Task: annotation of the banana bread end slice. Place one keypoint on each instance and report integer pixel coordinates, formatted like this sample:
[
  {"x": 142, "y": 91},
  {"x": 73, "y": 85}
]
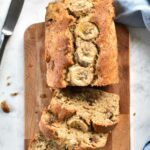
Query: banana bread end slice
[
  {"x": 69, "y": 136},
  {"x": 96, "y": 107}
]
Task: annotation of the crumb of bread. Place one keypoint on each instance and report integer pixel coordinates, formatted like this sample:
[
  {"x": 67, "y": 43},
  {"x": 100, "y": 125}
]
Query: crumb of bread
[
  {"x": 8, "y": 84},
  {"x": 14, "y": 94},
  {"x": 5, "y": 107},
  {"x": 134, "y": 114}
]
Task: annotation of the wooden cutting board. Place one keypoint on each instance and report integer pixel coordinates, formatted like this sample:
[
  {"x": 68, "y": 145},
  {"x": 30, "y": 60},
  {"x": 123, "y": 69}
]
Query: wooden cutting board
[{"x": 37, "y": 93}]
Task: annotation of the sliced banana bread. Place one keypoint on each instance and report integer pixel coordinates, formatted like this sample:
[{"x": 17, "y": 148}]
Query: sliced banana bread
[
  {"x": 71, "y": 135},
  {"x": 81, "y": 43},
  {"x": 101, "y": 109}
]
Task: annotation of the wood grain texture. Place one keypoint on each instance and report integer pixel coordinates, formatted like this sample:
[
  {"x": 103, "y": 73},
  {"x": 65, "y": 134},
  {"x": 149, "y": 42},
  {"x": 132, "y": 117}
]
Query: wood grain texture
[{"x": 37, "y": 93}]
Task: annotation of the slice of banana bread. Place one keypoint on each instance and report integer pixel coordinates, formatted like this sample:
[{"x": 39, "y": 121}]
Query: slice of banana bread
[
  {"x": 71, "y": 134},
  {"x": 101, "y": 109},
  {"x": 80, "y": 43},
  {"x": 41, "y": 143}
]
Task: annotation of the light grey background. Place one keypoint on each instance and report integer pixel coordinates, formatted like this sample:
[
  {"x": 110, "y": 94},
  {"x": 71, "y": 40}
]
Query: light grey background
[{"x": 12, "y": 124}]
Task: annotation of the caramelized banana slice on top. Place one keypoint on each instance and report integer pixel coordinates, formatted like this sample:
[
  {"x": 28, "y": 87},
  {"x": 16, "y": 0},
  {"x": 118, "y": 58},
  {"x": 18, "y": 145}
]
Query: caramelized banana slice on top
[
  {"x": 80, "y": 76},
  {"x": 85, "y": 53},
  {"x": 86, "y": 30},
  {"x": 79, "y": 7}
]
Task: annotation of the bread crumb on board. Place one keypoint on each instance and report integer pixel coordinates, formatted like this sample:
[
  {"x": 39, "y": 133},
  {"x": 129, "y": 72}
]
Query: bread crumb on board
[
  {"x": 14, "y": 94},
  {"x": 4, "y": 106}
]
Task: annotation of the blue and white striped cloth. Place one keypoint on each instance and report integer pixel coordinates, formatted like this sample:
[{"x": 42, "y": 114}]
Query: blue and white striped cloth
[
  {"x": 147, "y": 145},
  {"x": 134, "y": 13}
]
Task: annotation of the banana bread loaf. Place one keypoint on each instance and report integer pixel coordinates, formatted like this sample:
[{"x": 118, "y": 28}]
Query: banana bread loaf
[
  {"x": 70, "y": 134},
  {"x": 96, "y": 107},
  {"x": 81, "y": 43}
]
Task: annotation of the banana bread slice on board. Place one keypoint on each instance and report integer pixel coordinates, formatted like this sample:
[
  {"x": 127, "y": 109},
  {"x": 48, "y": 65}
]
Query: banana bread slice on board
[
  {"x": 72, "y": 137},
  {"x": 80, "y": 43},
  {"x": 96, "y": 107}
]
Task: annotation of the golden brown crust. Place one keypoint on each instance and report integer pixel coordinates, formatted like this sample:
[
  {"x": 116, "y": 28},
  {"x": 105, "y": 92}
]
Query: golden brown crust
[
  {"x": 103, "y": 129},
  {"x": 60, "y": 111},
  {"x": 58, "y": 45},
  {"x": 33, "y": 141},
  {"x": 46, "y": 130},
  {"x": 107, "y": 63}
]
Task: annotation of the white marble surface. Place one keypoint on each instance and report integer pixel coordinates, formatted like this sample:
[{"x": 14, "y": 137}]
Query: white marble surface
[{"x": 12, "y": 124}]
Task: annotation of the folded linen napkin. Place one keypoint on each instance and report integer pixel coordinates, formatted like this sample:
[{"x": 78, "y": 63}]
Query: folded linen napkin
[{"x": 134, "y": 13}]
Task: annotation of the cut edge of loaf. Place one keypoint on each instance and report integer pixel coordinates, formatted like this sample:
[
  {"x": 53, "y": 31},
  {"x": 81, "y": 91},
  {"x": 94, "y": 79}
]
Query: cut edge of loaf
[
  {"x": 68, "y": 137},
  {"x": 65, "y": 106}
]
